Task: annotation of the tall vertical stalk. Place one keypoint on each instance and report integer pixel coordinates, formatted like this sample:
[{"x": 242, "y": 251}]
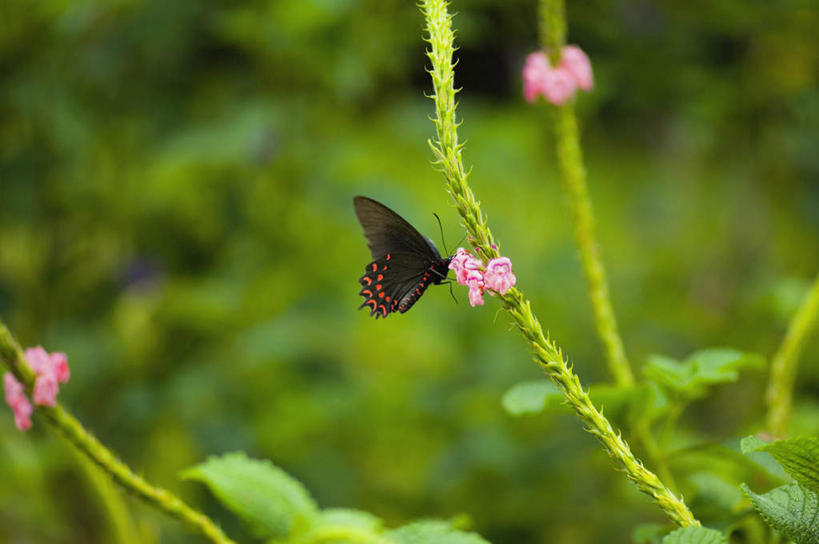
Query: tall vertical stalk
[
  {"x": 573, "y": 174},
  {"x": 447, "y": 151},
  {"x": 784, "y": 363}
]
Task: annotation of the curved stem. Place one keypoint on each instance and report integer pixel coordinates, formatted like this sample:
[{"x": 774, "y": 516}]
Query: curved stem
[
  {"x": 783, "y": 366},
  {"x": 447, "y": 151},
  {"x": 86, "y": 443}
]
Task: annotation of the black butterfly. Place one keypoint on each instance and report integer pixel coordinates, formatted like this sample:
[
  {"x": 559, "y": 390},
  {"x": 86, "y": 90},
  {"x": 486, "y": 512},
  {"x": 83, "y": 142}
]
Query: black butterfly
[{"x": 405, "y": 262}]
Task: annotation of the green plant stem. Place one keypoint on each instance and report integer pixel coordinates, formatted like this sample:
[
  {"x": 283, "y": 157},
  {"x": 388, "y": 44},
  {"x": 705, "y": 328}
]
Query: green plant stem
[
  {"x": 783, "y": 366},
  {"x": 86, "y": 443},
  {"x": 573, "y": 174},
  {"x": 447, "y": 152}
]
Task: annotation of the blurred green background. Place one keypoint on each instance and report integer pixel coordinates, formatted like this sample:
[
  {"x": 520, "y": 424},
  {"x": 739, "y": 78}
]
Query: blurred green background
[{"x": 176, "y": 183}]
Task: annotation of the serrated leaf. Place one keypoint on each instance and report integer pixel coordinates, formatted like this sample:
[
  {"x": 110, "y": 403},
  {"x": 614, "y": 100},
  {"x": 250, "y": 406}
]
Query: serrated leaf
[
  {"x": 799, "y": 457},
  {"x": 265, "y": 497},
  {"x": 432, "y": 532},
  {"x": 530, "y": 397},
  {"x": 790, "y": 509},
  {"x": 691, "y": 378},
  {"x": 695, "y": 535}
]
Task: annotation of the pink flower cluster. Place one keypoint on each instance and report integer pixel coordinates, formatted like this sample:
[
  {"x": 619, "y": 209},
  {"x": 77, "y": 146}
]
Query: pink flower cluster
[
  {"x": 469, "y": 271},
  {"x": 51, "y": 370},
  {"x": 557, "y": 84}
]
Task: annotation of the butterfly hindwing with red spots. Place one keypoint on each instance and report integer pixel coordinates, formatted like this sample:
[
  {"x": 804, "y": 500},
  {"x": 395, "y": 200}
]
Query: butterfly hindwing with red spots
[{"x": 405, "y": 262}]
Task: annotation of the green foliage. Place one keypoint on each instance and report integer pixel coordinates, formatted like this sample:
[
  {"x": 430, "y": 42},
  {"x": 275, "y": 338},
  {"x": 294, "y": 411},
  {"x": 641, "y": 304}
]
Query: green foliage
[
  {"x": 691, "y": 378},
  {"x": 798, "y": 456},
  {"x": 175, "y": 214},
  {"x": 790, "y": 509},
  {"x": 695, "y": 535},
  {"x": 266, "y": 498},
  {"x": 429, "y": 532}
]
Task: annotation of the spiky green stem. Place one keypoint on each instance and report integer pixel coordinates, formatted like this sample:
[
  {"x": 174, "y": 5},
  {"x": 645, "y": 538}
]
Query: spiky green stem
[
  {"x": 573, "y": 174},
  {"x": 784, "y": 363},
  {"x": 86, "y": 443},
  {"x": 447, "y": 152}
]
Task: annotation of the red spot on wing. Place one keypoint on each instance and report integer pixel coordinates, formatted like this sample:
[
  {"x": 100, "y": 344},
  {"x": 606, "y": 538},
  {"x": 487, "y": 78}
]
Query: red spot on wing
[
  {"x": 378, "y": 287},
  {"x": 381, "y": 294},
  {"x": 375, "y": 267},
  {"x": 373, "y": 302},
  {"x": 388, "y": 256},
  {"x": 383, "y": 309},
  {"x": 367, "y": 279},
  {"x": 388, "y": 299},
  {"x": 367, "y": 292},
  {"x": 380, "y": 277}
]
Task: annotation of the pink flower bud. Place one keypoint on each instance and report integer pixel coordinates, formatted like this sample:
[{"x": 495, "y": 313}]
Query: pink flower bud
[
  {"x": 59, "y": 363},
  {"x": 457, "y": 262},
  {"x": 12, "y": 388},
  {"x": 475, "y": 297},
  {"x": 22, "y": 414},
  {"x": 499, "y": 276},
  {"x": 45, "y": 390},
  {"x": 17, "y": 401},
  {"x": 576, "y": 62},
  {"x": 534, "y": 72}
]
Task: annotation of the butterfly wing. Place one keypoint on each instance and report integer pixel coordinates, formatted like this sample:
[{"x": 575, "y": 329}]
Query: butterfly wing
[
  {"x": 388, "y": 232},
  {"x": 403, "y": 259},
  {"x": 393, "y": 284}
]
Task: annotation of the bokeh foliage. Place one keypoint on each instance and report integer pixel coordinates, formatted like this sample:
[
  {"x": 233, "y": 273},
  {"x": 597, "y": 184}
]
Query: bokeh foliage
[{"x": 175, "y": 214}]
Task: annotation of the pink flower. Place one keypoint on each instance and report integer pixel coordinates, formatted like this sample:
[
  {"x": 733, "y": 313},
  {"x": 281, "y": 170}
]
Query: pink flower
[
  {"x": 474, "y": 279},
  {"x": 475, "y": 297},
  {"x": 558, "y": 86},
  {"x": 39, "y": 360},
  {"x": 458, "y": 260},
  {"x": 45, "y": 390},
  {"x": 499, "y": 276},
  {"x": 60, "y": 363},
  {"x": 576, "y": 62},
  {"x": 22, "y": 414},
  {"x": 534, "y": 72},
  {"x": 17, "y": 401}
]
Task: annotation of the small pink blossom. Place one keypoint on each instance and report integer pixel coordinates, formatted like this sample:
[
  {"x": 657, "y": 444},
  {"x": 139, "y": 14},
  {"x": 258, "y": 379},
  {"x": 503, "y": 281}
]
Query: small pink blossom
[
  {"x": 45, "y": 390},
  {"x": 558, "y": 86},
  {"x": 17, "y": 401},
  {"x": 39, "y": 360},
  {"x": 475, "y": 297},
  {"x": 474, "y": 279},
  {"x": 22, "y": 414},
  {"x": 60, "y": 363},
  {"x": 534, "y": 72},
  {"x": 457, "y": 262},
  {"x": 576, "y": 62},
  {"x": 499, "y": 276}
]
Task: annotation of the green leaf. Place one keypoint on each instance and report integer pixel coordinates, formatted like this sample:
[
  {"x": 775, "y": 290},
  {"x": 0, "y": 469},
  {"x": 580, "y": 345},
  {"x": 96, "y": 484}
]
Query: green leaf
[
  {"x": 695, "y": 535},
  {"x": 691, "y": 378},
  {"x": 751, "y": 443},
  {"x": 790, "y": 509},
  {"x": 530, "y": 397},
  {"x": 343, "y": 517},
  {"x": 798, "y": 456},
  {"x": 265, "y": 497},
  {"x": 432, "y": 532}
]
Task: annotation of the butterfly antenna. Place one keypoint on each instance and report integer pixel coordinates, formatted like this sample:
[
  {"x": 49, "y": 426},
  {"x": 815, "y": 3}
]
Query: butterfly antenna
[{"x": 441, "y": 228}]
